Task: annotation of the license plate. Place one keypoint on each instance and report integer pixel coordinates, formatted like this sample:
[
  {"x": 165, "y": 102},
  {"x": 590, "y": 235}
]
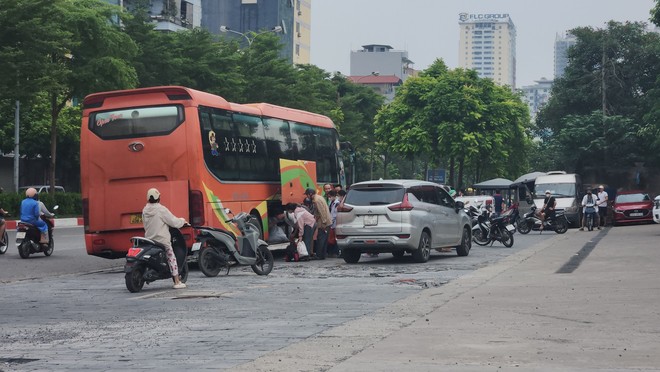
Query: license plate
[
  {"x": 636, "y": 214},
  {"x": 20, "y": 235},
  {"x": 510, "y": 228},
  {"x": 136, "y": 219},
  {"x": 371, "y": 220},
  {"x": 196, "y": 246}
]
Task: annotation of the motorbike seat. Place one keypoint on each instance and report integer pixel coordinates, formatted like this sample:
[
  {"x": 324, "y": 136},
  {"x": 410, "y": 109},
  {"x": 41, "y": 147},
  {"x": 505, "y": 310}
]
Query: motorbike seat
[
  {"x": 26, "y": 224},
  {"x": 139, "y": 241},
  {"x": 497, "y": 219},
  {"x": 233, "y": 236}
]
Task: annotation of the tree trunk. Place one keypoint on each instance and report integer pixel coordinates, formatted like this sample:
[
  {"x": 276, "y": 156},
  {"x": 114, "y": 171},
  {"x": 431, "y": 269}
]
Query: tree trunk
[{"x": 459, "y": 184}]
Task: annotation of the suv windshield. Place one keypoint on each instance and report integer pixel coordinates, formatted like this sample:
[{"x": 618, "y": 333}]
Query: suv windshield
[
  {"x": 374, "y": 196},
  {"x": 558, "y": 190}
]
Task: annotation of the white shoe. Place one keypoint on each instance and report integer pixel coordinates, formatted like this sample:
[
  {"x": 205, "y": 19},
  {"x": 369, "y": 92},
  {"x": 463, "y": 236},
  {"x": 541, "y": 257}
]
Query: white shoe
[{"x": 179, "y": 286}]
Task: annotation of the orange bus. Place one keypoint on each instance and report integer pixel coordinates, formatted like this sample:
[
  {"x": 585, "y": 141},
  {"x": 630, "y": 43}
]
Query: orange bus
[{"x": 203, "y": 153}]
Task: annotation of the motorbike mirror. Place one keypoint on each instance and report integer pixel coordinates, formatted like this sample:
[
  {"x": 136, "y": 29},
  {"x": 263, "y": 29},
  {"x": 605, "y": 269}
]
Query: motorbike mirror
[
  {"x": 56, "y": 207},
  {"x": 228, "y": 211}
]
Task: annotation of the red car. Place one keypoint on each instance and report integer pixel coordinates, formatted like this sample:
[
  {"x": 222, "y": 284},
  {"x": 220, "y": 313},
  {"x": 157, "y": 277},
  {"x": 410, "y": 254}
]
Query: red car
[{"x": 633, "y": 206}]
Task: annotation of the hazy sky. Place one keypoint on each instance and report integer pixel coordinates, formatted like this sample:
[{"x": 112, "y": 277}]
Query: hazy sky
[{"x": 428, "y": 29}]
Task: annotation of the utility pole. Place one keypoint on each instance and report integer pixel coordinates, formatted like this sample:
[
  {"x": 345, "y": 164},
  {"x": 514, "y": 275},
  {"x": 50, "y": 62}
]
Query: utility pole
[{"x": 16, "y": 143}]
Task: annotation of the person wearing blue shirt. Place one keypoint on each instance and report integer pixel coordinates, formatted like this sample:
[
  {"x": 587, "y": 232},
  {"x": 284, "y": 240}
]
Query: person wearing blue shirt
[{"x": 31, "y": 213}]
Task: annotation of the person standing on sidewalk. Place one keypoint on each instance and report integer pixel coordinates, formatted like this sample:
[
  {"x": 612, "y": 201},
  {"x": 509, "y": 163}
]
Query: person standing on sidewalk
[
  {"x": 3, "y": 227},
  {"x": 323, "y": 222},
  {"x": 603, "y": 200}
]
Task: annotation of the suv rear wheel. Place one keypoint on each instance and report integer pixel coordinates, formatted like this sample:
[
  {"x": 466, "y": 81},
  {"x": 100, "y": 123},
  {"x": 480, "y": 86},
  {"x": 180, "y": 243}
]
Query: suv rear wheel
[
  {"x": 351, "y": 255},
  {"x": 466, "y": 243},
  {"x": 423, "y": 252}
]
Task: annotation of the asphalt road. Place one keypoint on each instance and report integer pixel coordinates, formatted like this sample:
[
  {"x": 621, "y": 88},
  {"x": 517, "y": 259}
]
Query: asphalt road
[{"x": 71, "y": 311}]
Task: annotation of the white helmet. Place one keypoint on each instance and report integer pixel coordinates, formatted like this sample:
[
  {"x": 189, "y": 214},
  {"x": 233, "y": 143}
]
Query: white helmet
[
  {"x": 154, "y": 194},
  {"x": 31, "y": 192}
]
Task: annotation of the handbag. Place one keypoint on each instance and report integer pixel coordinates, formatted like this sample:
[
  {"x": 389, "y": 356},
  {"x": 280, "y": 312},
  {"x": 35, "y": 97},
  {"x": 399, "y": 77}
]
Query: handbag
[
  {"x": 302, "y": 249},
  {"x": 332, "y": 237}
]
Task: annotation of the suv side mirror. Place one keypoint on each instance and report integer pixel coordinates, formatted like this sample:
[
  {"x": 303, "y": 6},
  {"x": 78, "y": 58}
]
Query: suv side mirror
[{"x": 459, "y": 206}]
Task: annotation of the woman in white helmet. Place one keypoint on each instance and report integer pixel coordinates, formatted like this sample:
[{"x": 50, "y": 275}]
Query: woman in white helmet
[
  {"x": 157, "y": 219},
  {"x": 31, "y": 213}
]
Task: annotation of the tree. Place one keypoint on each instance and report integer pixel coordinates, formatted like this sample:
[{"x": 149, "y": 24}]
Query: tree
[
  {"x": 455, "y": 117},
  {"x": 613, "y": 71},
  {"x": 64, "y": 48}
]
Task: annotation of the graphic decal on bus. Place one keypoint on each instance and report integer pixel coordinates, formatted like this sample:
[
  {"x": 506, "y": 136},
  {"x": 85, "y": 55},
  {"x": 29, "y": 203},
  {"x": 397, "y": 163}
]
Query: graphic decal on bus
[
  {"x": 296, "y": 176},
  {"x": 214, "y": 145},
  {"x": 219, "y": 211}
]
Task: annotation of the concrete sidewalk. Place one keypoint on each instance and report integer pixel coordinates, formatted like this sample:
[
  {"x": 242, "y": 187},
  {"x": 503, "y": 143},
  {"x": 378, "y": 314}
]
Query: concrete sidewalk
[{"x": 582, "y": 301}]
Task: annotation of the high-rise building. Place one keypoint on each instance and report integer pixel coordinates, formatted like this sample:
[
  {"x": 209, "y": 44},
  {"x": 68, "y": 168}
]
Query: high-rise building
[
  {"x": 487, "y": 44},
  {"x": 537, "y": 95},
  {"x": 562, "y": 43},
  {"x": 245, "y": 16}
]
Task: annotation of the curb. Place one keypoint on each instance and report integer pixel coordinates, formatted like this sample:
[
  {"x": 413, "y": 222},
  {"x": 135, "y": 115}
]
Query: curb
[{"x": 58, "y": 222}]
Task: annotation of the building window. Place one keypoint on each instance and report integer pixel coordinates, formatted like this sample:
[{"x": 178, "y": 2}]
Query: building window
[{"x": 297, "y": 49}]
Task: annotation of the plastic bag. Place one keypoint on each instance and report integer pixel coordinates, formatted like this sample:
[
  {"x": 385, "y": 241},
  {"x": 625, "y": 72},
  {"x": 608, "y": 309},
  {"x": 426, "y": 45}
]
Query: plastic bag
[{"x": 302, "y": 249}]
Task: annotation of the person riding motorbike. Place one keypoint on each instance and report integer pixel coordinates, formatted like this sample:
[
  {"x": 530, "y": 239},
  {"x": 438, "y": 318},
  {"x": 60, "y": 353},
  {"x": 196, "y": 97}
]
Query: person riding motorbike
[
  {"x": 157, "y": 219},
  {"x": 3, "y": 226},
  {"x": 589, "y": 201},
  {"x": 548, "y": 210},
  {"x": 31, "y": 213}
]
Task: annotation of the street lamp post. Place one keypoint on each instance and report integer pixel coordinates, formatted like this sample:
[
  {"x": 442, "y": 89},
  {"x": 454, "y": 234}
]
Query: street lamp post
[{"x": 276, "y": 29}]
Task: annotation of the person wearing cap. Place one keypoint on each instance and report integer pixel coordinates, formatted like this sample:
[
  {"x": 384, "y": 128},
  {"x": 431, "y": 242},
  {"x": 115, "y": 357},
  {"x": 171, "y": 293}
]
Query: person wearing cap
[
  {"x": 603, "y": 198},
  {"x": 157, "y": 220},
  {"x": 589, "y": 200},
  {"x": 548, "y": 210},
  {"x": 31, "y": 213},
  {"x": 323, "y": 222}
]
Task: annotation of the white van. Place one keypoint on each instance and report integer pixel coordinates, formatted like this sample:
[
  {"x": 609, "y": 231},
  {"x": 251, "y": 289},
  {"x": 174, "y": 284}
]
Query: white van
[{"x": 566, "y": 188}]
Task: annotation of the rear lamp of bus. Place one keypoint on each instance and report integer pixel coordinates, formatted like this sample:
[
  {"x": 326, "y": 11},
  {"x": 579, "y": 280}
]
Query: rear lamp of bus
[
  {"x": 403, "y": 206},
  {"x": 196, "y": 208},
  {"x": 344, "y": 208}
]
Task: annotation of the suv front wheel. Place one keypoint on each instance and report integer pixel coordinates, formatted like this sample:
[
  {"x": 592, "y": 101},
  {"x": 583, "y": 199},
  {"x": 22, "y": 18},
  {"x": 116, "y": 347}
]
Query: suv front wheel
[{"x": 423, "y": 252}]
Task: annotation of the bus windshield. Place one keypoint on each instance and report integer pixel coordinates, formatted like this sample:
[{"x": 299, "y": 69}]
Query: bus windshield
[{"x": 136, "y": 122}]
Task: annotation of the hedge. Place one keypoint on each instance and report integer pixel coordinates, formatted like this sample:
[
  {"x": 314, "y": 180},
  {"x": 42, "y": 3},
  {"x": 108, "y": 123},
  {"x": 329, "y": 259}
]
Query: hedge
[{"x": 70, "y": 203}]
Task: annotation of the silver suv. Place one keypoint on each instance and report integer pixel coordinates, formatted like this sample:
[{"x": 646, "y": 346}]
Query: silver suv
[{"x": 399, "y": 216}]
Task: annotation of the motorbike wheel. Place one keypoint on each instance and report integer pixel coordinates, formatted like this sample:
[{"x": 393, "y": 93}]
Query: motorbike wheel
[
  {"x": 561, "y": 226},
  {"x": 49, "y": 250},
  {"x": 183, "y": 272},
  {"x": 208, "y": 264},
  {"x": 478, "y": 237},
  {"x": 507, "y": 238},
  {"x": 5, "y": 244},
  {"x": 264, "y": 264},
  {"x": 524, "y": 226},
  {"x": 590, "y": 222},
  {"x": 135, "y": 280},
  {"x": 24, "y": 249}
]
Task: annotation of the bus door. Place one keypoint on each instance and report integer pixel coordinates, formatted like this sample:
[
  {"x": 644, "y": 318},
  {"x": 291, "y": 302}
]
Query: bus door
[{"x": 295, "y": 177}]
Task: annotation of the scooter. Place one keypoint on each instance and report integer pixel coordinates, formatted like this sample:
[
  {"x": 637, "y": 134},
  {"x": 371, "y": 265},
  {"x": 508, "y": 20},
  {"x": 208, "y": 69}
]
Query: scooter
[
  {"x": 28, "y": 237},
  {"x": 489, "y": 230},
  {"x": 146, "y": 261},
  {"x": 531, "y": 221},
  {"x": 222, "y": 249}
]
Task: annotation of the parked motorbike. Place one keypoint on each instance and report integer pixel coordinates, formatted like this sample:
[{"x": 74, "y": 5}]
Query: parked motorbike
[
  {"x": 531, "y": 221},
  {"x": 146, "y": 261},
  {"x": 489, "y": 230},
  {"x": 220, "y": 249},
  {"x": 28, "y": 237}
]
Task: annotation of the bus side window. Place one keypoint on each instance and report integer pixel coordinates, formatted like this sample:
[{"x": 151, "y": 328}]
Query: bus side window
[
  {"x": 278, "y": 145},
  {"x": 303, "y": 140},
  {"x": 225, "y": 165},
  {"x": 251, "y": 148},
  {"x": 326, "y": 155}
]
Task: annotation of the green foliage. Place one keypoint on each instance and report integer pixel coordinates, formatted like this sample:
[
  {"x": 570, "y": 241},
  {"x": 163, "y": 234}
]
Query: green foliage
[
  {"x": 70, "y": 204},
  {"x": 455, "y": 117},
  {"x": 604, "y": 109}
]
